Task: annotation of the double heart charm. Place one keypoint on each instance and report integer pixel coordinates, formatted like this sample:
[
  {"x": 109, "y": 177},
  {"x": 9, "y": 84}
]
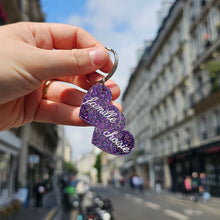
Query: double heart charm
[{"x": 109, "y": 122}]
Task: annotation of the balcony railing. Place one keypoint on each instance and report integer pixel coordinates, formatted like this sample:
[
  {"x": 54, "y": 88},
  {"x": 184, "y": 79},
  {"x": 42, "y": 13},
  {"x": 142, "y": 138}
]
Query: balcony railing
[
  {"x": 204, "y": 91},
  {"x": 204, "y": 135}
]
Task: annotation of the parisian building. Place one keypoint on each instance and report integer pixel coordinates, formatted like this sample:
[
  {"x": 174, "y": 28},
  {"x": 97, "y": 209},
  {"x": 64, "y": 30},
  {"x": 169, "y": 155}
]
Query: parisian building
[
  {"x": 26, "y": 153},
  {"x": 172, "y": 101},
  {"x": 85, "y": 167}
]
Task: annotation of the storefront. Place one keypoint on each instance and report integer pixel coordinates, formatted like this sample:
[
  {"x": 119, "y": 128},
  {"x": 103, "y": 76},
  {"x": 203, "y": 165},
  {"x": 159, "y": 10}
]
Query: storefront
[
  {"x": 159, "y": 171},
  {"x": 201, "y": 159},
  {"x": 210, "y": 163},
  {"x": 9, "y": 151}
]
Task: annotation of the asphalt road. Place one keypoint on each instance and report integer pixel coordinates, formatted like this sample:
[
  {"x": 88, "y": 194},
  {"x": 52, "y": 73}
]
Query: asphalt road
[
  {"x": 129, "y": 205},
  {"x": 136, "y": 205},
  {"x": 132, "y": 205}
]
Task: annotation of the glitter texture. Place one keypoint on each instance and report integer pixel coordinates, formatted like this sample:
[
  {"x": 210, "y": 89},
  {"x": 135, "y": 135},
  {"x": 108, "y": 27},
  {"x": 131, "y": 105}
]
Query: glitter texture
[
  {"x": 113, "y": 141},
  {"x": 97, "y": 110},
  {"x": 109, "y": 122}
]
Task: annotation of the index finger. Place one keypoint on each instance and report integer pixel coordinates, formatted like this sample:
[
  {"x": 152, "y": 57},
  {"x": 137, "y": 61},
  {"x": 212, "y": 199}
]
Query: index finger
[
  {"x": 61, "y": 36},
  {"x": 64, "y": 36}
]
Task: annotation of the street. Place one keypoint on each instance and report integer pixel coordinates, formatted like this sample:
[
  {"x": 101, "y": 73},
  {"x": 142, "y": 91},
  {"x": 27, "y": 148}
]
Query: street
[{"x": 131, "y": 205}]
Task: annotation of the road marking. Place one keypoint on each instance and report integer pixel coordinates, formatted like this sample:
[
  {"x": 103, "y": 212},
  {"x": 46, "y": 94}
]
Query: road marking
[
  {"x": 192, "y": 212},
  {"x": 51, "y": 214},
  {"x": 128, "y": 196},
  {"x": 138, "y": 200},
  {"x": 214, "y": 211},
  {"x": 152, "y": 205},
  {"x": 175, "y": 214}
]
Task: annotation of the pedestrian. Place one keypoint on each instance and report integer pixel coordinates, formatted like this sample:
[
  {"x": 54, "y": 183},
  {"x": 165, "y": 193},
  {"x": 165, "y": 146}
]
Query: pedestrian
[
  {"x": 203, "y": 187},
  {"x": 34, "y": 57},
  {"x": 39, "y": 191},
  {"x": 136, "y": 181},
  {"x": 188, "y": 186},
  {"x": 131, "y": 181},
  {"x": 203, "y": 182},
  {"x": 195, "y": 186}
]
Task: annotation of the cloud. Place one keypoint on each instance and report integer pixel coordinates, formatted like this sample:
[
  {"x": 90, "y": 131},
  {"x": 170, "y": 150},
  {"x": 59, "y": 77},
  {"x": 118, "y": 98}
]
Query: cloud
[{"x": 122, "y": 25}]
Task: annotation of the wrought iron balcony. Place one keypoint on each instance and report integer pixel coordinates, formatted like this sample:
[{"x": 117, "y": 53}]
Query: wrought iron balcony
[{"x": 205, "y": 92}]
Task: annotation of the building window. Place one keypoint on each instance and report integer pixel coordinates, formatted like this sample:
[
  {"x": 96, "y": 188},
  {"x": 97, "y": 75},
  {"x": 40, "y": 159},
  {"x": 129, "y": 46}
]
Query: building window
[
  {"x": 193, "y": 15},
  {"x": 206, "y": 35},
  {"x": 199, "y": 87},
  {"x": 166, "y": 81},
  {"x": 169, "y": 112},
  {"x": 188, "y": 137},
  {"x": 177, "y": 142},
  {"x": 203, "y": 128},
  {"x": 202, "y": 3},
  {"x": 169, "y": 146},
  {"x": 162, "y": 147},
  {"x": 216, "y": 123},
  {"x": 185, "y": 100},
  {"x": 153, "y": 123}
]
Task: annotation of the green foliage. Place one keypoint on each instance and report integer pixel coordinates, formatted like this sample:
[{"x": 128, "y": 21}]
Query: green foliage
[
  {"x": 98, "y": 166},
  {"x": 213, "y": 67},
  {"x": 70, "y": 167}
]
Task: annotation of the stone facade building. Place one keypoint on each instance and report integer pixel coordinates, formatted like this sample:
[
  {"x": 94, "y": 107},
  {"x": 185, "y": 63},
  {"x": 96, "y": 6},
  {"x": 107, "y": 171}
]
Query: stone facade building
[
  {"x": 85, "y": 167},
  {"x": 172, "y": 100},
  {"x": 26, "y": 153}
]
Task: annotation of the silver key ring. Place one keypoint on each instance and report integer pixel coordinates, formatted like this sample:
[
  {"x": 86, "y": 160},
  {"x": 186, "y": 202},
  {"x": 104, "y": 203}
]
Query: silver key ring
[{"x": 107, "y": 77}]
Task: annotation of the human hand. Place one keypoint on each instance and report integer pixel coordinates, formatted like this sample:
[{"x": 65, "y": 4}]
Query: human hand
[{"x": 31, "y": 54}]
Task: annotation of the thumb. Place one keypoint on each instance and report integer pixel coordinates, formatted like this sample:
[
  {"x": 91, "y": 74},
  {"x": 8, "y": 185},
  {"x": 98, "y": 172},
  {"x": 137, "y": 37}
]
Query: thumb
[{"x": 58, "y": 63}]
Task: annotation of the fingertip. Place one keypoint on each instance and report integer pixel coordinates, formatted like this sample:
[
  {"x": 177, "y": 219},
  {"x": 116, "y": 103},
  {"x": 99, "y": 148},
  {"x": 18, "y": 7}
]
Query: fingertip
[
  {"x": 115, "y": 89},
  {"x": 98, "y": 56},
  {"x": 118, "y": 105}
]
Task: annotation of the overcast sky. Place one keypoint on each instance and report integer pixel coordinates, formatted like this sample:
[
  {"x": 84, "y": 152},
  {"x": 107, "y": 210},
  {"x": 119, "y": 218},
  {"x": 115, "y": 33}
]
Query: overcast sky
[{"x": 123, "y": 25}]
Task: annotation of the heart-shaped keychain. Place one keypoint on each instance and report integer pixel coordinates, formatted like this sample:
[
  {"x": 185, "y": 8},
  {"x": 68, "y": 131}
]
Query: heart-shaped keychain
[
  {"x": 108, "y": 121},
  {"x": 117, "y": 142},
  {"x": 97, "y": 110}
]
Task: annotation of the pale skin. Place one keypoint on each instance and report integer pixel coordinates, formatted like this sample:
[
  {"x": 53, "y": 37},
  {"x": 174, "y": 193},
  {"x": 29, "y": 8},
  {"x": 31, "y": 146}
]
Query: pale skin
[{"x": 31, "y": 54}]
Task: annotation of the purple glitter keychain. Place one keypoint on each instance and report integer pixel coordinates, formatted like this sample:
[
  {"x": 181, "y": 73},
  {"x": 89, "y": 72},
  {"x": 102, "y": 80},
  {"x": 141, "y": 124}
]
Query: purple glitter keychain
[
  {"x": 97, "y": 110},
  {"x": 108, "y": 121}
]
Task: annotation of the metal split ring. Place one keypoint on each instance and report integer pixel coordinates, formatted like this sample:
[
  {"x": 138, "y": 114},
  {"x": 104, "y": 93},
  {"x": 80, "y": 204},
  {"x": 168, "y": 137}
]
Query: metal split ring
[{"x": 104, "y": 79}]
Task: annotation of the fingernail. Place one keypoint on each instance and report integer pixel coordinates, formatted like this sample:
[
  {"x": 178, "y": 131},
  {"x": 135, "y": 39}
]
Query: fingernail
[{"x": 97, "y": 56}]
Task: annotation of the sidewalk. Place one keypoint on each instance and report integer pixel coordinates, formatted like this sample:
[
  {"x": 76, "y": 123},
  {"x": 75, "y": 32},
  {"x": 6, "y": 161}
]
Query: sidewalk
[
  {"x": 32, "y": 214},
  {"x": 47, "y": 212}
]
